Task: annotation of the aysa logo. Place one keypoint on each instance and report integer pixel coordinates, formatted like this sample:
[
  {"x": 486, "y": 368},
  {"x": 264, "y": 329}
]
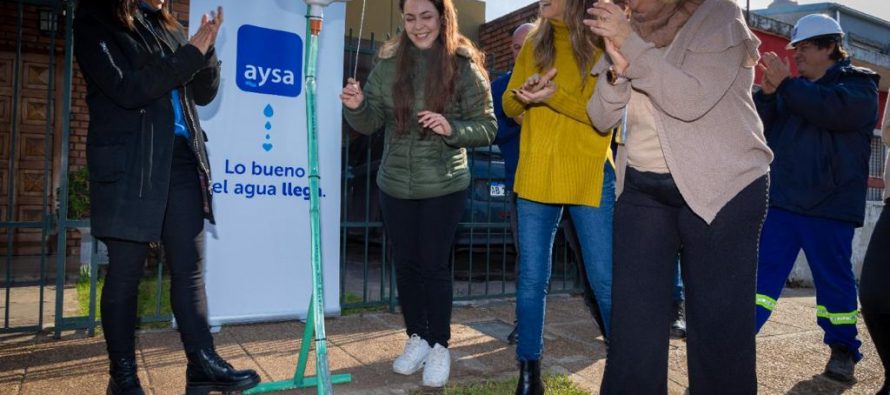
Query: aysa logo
[{"x": 269, "y": 61}]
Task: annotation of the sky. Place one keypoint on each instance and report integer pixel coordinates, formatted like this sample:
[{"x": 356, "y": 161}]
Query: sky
[{"x": 878, "y": 8}]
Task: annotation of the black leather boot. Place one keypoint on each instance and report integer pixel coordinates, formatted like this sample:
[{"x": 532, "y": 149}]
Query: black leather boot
[
  {"x": 511, "y": 338},
  {"x": 678, "y": 324},
  {"x": 124, "y": 380},
  {"x": 207, "y": 372},
  {"x": 530, "y": 378}
]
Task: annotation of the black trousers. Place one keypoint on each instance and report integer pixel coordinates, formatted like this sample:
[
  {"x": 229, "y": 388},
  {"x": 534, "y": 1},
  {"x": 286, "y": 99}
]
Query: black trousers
[
  {"x": 874, "y": 288},
  {"x": 422, "y": 233},
  {"x": 652, "y": 224},
  {"x": 183, "y": 238}
]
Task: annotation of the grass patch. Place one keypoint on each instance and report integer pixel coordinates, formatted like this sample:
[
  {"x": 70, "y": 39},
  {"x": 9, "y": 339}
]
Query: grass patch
[
  {"x": 351, "y": 298},
  {"x": 556, "y": 384},
  {"x": 146, "y": 304}
]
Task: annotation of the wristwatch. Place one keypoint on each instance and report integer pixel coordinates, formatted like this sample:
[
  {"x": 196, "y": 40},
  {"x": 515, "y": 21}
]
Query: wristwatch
[{"x": 614, "y": 77}]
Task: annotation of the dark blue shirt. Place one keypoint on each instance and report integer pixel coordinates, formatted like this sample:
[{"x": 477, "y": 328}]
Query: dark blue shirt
[{"x": 507, "y": 138}]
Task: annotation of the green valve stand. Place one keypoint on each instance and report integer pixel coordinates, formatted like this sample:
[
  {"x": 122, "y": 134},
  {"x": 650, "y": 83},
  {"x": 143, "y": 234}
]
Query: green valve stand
[{"x": 323, "y": 379}]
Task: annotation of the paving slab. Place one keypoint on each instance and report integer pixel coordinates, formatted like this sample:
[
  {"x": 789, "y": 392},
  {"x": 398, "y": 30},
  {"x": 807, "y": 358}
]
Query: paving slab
[
  {"x": 791, "y": 355},
  {"x": 74, "y": 365}
]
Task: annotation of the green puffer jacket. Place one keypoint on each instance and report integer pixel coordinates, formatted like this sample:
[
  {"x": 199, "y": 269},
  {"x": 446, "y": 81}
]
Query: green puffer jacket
[{"x": 416, "y": 167}]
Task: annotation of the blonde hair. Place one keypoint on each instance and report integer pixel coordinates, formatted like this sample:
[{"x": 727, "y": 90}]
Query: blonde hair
[{"x": 584, "y": 43}]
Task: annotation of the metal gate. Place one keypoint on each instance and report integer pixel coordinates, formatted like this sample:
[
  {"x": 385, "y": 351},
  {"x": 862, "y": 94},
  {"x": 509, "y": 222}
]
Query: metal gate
[{"x": 29, "y": 101}]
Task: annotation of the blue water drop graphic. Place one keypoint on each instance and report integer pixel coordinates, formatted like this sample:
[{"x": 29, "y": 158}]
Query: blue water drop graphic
[
  {"x": 268, "y": 137},
  {"x": 268, "y": 125},
  {"x": 268, "y": 111}
]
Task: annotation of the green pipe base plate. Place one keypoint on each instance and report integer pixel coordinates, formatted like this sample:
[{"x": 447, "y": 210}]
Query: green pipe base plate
[{"x": 291, "y": 384}]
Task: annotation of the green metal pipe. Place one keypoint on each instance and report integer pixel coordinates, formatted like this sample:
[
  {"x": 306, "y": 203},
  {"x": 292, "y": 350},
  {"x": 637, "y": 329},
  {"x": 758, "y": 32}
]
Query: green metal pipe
[
  {"x": 322, "y": 370},
  {"x": 315, "y": 318}
]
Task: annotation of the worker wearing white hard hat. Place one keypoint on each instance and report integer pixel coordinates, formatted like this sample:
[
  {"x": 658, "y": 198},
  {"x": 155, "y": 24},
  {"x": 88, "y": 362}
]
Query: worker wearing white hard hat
[
  {"x": 814, "y": 25},
  {"x": 819, "y": 126},
  {"x": 817, "y": 41}
]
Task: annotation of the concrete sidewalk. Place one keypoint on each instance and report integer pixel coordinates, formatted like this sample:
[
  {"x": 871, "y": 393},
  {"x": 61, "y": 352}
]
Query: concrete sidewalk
[{"x": 790, "y": 353}]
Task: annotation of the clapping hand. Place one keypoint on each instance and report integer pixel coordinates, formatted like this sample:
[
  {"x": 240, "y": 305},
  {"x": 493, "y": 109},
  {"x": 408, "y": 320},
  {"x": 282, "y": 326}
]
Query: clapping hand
[
  {"x": 774, "y": 70},
  {"x": 537, "y": 89},
  {"x": 610, "y": 21},
  {"x": 206, "y": 34}
]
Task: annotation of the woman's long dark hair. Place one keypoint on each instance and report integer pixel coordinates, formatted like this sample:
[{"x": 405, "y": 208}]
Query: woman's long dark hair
[
  {"x": 443, "y": 66},
  {"x": 123, "y": 10}
]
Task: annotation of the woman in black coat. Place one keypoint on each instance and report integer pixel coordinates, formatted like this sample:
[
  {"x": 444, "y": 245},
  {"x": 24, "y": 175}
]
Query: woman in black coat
[{"x": 149, "y": 173}]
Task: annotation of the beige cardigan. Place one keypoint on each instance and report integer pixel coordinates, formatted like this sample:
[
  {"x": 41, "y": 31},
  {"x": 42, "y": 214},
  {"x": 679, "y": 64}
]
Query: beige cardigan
[{"x": 709, "y": 129}]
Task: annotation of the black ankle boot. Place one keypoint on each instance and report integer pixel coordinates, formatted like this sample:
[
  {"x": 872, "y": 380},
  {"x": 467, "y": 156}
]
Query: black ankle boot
[
  {"x": 511, "y": 338},
  {"x": 678, "y": 324},
  {"x": 530, "y": 378},
  {"x": 124, "y": 380},
  {"x": 841, "y": 365},
  {"x": 207, "y": 372}
]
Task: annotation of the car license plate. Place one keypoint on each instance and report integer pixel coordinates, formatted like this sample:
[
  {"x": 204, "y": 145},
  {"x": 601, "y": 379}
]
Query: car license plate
[{"x": 497, "y": 189}]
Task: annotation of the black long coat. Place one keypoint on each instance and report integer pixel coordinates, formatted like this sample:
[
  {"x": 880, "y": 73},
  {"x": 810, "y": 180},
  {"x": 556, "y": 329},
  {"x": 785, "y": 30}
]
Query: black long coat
[{"x": 130, "y": 77}]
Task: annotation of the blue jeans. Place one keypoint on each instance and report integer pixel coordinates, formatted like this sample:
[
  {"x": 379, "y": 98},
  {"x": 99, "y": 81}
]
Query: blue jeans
[
  {"x": 678, "y": 284},
  {"x": 537, "y": 229}
]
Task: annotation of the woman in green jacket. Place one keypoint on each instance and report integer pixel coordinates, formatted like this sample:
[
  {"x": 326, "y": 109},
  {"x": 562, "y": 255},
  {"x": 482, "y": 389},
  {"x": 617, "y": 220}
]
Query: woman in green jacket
[{"x": 431, "y": 95}]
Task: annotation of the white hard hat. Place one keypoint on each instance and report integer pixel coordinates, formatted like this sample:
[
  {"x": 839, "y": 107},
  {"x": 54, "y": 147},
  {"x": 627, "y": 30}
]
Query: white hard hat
[{"x": 813, "y": 25}]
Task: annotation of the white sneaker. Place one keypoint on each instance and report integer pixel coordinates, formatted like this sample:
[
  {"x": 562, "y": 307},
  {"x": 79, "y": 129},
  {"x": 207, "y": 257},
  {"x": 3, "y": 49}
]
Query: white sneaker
[
  {"x": 438, "y": 367},
  {"x": 414, "y": 356}
]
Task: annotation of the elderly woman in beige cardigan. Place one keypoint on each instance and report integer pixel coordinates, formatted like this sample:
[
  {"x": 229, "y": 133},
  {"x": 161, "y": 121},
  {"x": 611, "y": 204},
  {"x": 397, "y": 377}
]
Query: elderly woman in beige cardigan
[
  {"x": 874, "y": 293},
  {"x": 692, "y": 179}
]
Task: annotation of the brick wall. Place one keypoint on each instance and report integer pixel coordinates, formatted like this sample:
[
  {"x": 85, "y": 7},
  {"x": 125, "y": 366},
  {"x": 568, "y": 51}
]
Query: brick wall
[
  {"x": 33, "y": 40},
  {"x": 180, "y": 9},
  {"x": 495, "y": 37}
]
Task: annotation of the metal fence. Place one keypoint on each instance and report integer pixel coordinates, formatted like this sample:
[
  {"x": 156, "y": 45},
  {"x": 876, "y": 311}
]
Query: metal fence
[{"x": 27, "y": 95}]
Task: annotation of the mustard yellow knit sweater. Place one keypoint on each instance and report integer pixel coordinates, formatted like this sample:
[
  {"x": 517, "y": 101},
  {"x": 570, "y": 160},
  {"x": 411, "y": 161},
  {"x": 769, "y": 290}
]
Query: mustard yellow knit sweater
[{"x": 561, "y": 156}]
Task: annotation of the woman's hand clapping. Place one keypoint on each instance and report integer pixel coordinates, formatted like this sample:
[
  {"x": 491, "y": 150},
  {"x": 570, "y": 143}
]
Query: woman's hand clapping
[{"x": 205, "y": 37}]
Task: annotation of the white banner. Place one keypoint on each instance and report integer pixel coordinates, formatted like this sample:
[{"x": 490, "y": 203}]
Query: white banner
[{"x": 258, "y": 262}]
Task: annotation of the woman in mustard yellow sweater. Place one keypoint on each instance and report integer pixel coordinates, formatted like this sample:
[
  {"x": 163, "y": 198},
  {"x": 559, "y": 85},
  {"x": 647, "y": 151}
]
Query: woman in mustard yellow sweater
[{"x": 563, "y": 163}]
